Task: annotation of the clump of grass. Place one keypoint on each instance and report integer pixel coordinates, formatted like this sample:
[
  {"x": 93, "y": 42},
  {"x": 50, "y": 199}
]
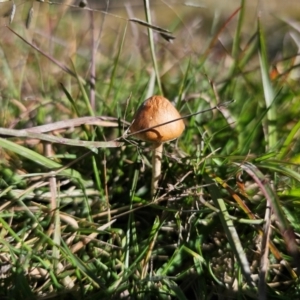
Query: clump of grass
[{"x": 78, "y": 222}]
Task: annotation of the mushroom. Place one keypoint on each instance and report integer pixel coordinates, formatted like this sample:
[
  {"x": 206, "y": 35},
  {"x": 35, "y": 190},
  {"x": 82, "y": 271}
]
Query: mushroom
[{"x": 155, "y": 111}]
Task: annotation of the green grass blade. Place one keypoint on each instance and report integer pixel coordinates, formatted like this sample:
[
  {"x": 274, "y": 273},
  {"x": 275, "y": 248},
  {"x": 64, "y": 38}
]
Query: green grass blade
[
  {"x": 287, "y": 144},
  {"x": 116, "y": 63},
  {"x": 14, "y": 234},
  {"x": 268, "y": 90},
  {"x": 237, "y": 37},
  {"x": 41, "y": 160},
  {"x": 229, "y": 229},
  {"x": 83, "y": 267},
  {"x": 8, "y": 74},
  {"x": 183, "y": 85},
  {"x": 152, "y": 47},
  {"x": 279, "y": 167},
  {"x": 83, "y": 92}
]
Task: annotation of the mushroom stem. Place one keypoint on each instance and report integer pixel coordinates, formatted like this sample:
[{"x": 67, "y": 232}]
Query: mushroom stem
[
  {"x": 156, "y": 166},
  {"x": 149, "y": 125}
]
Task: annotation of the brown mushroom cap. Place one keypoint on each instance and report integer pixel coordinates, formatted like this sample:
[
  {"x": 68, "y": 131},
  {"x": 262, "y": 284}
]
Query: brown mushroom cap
[{"x": 154, "y": 111}]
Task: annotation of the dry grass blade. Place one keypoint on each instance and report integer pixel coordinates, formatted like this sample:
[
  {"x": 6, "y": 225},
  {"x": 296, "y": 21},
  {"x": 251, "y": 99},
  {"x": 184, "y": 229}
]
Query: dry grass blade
[
  {"x": 58, "y": 140},
  {"x": 168, "y": 37},
  {"x": 36, "y": 132},
  {"x": 264, "y": 261},
  {"x": 98, "y": 121},
  {"x": 12, "y": 13},
  {"x": 154, "y": 27},
  {"x": 135, "y": 20}
]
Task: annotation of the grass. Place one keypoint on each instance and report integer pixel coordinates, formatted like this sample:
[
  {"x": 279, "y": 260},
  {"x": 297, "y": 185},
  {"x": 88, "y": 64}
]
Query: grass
[{"x": 76, "y": 217}]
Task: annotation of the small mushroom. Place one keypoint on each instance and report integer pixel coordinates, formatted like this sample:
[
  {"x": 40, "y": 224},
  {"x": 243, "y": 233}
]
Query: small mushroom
[{"x": 155, "y": 111}]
